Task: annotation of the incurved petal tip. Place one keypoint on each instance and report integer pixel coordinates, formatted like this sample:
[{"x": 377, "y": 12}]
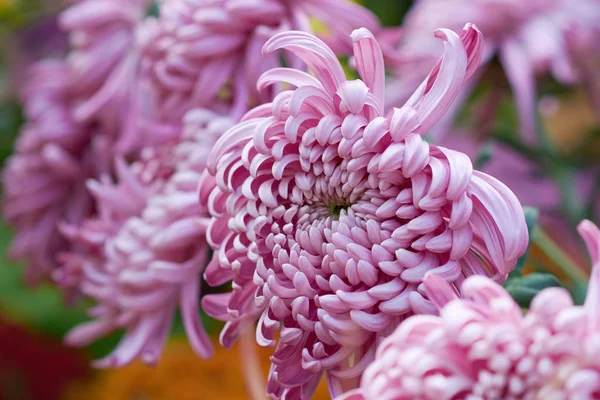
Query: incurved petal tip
[
  {"x": 438, "y": 290},
  {"x": 370, "y": 64},
  {"x": 591, "y": 235},
  {"x": 361, "y": 33},
  {"x": 461, "y": 57}
]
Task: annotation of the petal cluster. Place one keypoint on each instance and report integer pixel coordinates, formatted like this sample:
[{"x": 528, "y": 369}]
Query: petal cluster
[
  {"x": 142, "y": 258},
  {"x": 328, "y": 214},
  {"x": 482, "y": 347},
  {"x": 44, "y": 180},
  {"x": 207, "y": 53}
]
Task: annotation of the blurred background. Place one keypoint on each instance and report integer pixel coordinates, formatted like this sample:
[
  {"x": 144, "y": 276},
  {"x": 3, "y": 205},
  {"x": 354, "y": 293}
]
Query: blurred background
[{"x": 35, "y": 365}]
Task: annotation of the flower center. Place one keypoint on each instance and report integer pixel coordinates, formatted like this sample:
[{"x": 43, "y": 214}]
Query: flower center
[{"x": 336, "y": 209}]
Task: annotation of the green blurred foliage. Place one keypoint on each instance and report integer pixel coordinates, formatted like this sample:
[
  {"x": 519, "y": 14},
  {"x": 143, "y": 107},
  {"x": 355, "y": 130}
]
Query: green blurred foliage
[
  {"x": 524, "y": 288},
  {"x": 391, "y": 12},
  {"x": 11, "y": 119},
  {"x": 42, "y": 309}
]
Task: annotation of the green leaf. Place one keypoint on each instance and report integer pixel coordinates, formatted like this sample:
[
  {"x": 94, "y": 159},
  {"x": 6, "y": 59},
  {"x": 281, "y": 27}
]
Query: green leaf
[
  {"x": 531, "y": 216},
  {"x": 484, "y": 155},
  {"x": 390, "y": 12},
  {"x": 525, "y": 288}
]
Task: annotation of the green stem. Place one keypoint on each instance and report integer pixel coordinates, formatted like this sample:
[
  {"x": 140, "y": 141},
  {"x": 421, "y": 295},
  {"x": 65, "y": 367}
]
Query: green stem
[{"x": 560, "y": 257}]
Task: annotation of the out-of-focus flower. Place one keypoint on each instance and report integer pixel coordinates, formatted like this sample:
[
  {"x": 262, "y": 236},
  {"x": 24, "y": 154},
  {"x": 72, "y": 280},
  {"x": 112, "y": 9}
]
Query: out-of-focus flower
[
  {"x": 42, "y": 39},
  {"x": 327, "y": 215},
  {"x": 207, "y": 53},
  {"x": 482, "y": 347},
  {"x": 44, "y": 181},
  {"x": 531, "y": 37},
  {"x": 142, "y": 258},
  {"x": 104, "y": 64}
]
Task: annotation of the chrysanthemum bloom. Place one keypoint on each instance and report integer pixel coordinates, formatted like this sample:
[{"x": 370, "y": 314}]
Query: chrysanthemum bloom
[
  {"x": 44, "y": 181},
  {"x": 531, "y": 38},
  {"x": 104, "y": 63},
  {"x": 202, "y": 53},
  {"x": 482, "y": 347},
  {"x": 327, "y": 214},
  {"x": 143, "y": 257}
]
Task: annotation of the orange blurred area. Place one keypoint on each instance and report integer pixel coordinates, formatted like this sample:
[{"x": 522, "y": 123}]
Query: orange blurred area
[
  {"x": 568, "y": 121},
  {"x": 180, "y": 375}
]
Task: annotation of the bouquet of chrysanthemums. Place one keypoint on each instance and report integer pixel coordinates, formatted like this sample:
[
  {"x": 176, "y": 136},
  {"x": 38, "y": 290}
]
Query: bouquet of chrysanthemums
[{"x": 389, "y": 207}]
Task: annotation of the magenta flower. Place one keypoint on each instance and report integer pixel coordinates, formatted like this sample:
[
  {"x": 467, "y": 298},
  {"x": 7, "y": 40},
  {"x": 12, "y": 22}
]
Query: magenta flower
[
  {"x": 44, "y": 180},
  {"x": 482, "y": 347},
  {"x": 328, "y": 214},
  {"x": 141, "y": 259},
  {"x": 104, "y": 65},
  {"x": 531, "y": 37},
  {"x": 207, "y": 53}
]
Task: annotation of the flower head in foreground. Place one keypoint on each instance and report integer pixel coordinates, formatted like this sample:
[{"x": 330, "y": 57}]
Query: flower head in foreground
[
  {"x": 482, "y": 347},
  {"x": 104, "y": 64},
  {"x": 44, "y": 180},
  {"x": 327, "y": 214},
  {"x": 531, "y": 38},
  {"x": 143, "y": 257},
  {"x": 206, "y": 54}
]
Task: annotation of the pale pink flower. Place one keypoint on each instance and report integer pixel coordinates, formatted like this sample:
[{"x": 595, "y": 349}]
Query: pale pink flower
[
  {"x": 482, "y": 347},
  {"x": 104, "y": 64},
  {"x": 142, "y": 258},
  {"x": 44, "y": 180},
  {"x": 531, "y": 38},
  {"x": 201, "y": 53},
  {"x": 328, "y": 214}
]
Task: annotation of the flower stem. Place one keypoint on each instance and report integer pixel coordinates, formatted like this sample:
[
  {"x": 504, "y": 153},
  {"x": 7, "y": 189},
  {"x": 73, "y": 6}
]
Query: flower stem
[
  {"x": 251, "y": 370},
  {"x": 566, "y": 264}
]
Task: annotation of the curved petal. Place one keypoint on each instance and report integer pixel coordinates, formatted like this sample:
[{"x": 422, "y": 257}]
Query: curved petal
[
  {"x": 319, "y": 58},
  {"x": 369, "y": 63},
  {"x": 435, "y": 95},
  {"x": 591, "y": 235}
]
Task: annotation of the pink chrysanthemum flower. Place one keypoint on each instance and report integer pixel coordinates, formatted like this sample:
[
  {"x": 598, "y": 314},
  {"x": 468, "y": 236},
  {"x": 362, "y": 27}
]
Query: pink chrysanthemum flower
[
  {"x": 44, "y": 181},
  {"x": 142, "y": 258},
  {"x": 104, "y": 64},
  {"x": 531, "y": 38},
  {"x": 482, "y": 347},
  {"x": 327, "y": 214},
  {"x": 201, "y": 53}
]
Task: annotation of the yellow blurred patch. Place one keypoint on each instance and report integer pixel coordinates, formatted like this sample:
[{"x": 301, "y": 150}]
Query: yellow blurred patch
[
  {"x": 569, "y": 120},
  {"x": 318, "y": 27},
  {"x": 180, "y": 375}
]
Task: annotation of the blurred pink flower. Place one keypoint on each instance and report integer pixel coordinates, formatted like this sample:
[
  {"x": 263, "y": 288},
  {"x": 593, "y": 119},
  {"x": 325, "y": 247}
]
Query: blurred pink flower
[
  {"x": 44, "y": 180},
  {"x": 104, "y": 64},
  {"x": 531, "y": 37},
  {"x": 200, "y": 53},
  {"x": 143, "y": 256},
  {"x": 482, "y": 347},
  {"x": 327, "y": 214},
  {"x": 42, "y": 39}
]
